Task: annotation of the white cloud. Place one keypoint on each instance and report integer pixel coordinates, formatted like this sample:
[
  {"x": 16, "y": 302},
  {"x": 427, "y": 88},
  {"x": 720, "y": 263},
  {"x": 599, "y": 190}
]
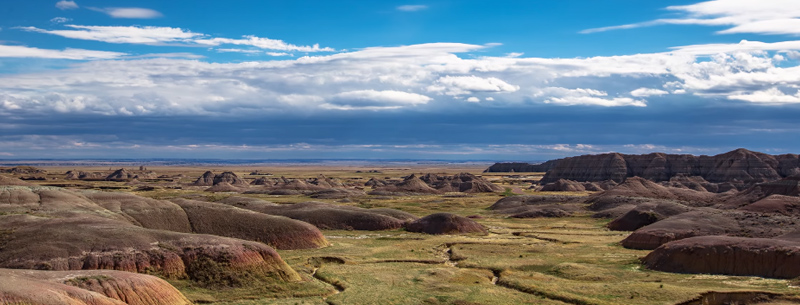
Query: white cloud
[
  {"x": 384, "y": 78},
  {"x": 66, "y": 5},
  {"x": 76, "y": 54},
  {"x": 129, "y": 12},
  {"x": 374, "y": 100},
  {"x": 222, "y": 50},
  {"x": 60, "y": 20},
  {"x": 122, "y": 34},
  {"x": 279, "y": 54},
  {"x": 473, "y": 99},
  {"x": 263, "y": 43},
  {"x": 460, "y": 85},
  {"x": 412, "y": 8},
  {"x": 775, "y": 17},
  {"x": 581, "y": 96},
  {"x": 769, "y": 96},
  {"x": 645, "y": 92},
  {"x": 153, "y": 35}
]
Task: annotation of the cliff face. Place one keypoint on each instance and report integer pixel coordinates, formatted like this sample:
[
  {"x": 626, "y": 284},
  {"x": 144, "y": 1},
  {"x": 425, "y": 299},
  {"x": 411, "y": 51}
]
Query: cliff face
[{"x": 741, "y": 166}]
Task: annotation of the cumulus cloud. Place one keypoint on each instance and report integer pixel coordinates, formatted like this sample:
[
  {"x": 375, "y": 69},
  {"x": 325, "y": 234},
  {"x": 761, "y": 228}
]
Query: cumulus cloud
[
  {"x": 776, "y": 17},
  {"x": 66, "y": 5},
  {"x": 460, "y": 85},
  {"x": 76, "y": 54},
  {"x": 412, "y": 8},
  {"x": 769, "y": 96},
  {"x": 129, "y": 12},
  {"x": 645, "y": 92},
  {"x": 430, "y": 77},
  {"x": 473, "y": 99}
]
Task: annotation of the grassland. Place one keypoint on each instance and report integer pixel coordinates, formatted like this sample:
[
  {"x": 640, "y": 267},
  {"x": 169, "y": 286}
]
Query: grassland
[{"x": 572, "y": 260}]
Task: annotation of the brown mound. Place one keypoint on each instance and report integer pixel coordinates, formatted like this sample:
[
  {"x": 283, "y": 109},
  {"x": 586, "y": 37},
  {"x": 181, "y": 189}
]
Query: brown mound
[
  {"x": 207, "y": 179},
  {"x": 548, "y": 211},
  {"x": 375, "y": 182},
  {"x": 325, "y": 182},
  {"x": 728, "y": 255},
  {"x": 777, "y": 204},
  {"x": 337, "y": 193},
  {"x": 297, "y": 185},
  {"x": 412, "y": 184},
  {"x": 562, "y": 185},
  {"x": 645, "y": 214},
  {"x": 120, "y": 175},
  {"x": 226, "y": 220},
  {"x": 49, "y": 201},
  {"x": 333, "y": 217},
  {"x": 245, "y": 202},
  {"x": 6, "y": 180},
  {"x": 85, "y": 288},
  {"x": 445, "y": 223},
  {"x": 263, "y": 181},
  {"x": 511, "y": 202},
  {"x": 706, "y": 221},
  {"x": 230, "y": 178},
  {"x": 144, "y": 212},
  {"x": 89, "y": 242},
  {"x": 223, "y": 187},
  {"x": 463, "y": 182},
  {"x": 72, "y": 175}
]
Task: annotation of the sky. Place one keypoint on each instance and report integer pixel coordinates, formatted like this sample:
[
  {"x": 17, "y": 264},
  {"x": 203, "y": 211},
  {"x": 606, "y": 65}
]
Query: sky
[{"x": 438, "y": 79}]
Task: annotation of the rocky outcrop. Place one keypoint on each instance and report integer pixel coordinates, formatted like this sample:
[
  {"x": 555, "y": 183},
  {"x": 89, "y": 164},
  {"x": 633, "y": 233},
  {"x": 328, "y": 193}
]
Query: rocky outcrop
[
  {"x": 207, "y": 179},
  {"x": 518, "y": 167},
  {"x": 789, "y": 186},
  {"x": 411, "y": 184},
  {"x": 538, "y": 206},
  {"x": 636, "y": 190},
  {"x": 230, "y": 178},
  {"x": 445, "y": 223},
  {"x": 740, "y": 167},
  {"x": 96, "y": 287},
  {"x": 80, "y": 175},
  {"x": 23, "y": 170},
  {"x": 229, "y": 221},
  {"x": 120, "y": 175},
  {"x": 775, "y": 204},
  {"x": 463, "y": 182},
  {"x": 728, "y": 255}
]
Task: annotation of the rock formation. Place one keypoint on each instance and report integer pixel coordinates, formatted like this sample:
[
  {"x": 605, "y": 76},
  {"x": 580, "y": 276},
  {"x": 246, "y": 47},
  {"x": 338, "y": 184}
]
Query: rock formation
[
  {"x": 6, "y": 180},
  {"x": 411, "y": 184},
  {"x": 741, "y": 167},
  {"x": 120, "y": 175},
  {"x": 562, "y": 185},
  {"x": 706, "y": 222},
  {"x": 207, "y": 179},
  {"x": 645, "y": 214},
  {"x": 445, "y": 223},
  {"x": 728, "y": 255},
  {"x": 229, "y": 221},
  {"x": 463, "y": 182},
  {"x": 91, "y": 242},
  {"x": 537, "y": 206},
  {"x": 230, "y": 178}
]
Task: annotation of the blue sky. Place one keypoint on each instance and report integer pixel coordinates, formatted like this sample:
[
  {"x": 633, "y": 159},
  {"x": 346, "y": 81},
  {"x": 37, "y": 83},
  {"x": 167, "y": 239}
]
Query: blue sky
[{"x": 490, "y": 80}]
